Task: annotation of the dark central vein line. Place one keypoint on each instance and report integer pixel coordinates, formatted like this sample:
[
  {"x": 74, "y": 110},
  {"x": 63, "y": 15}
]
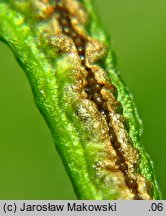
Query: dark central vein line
[{"x": 93, "y": 90}]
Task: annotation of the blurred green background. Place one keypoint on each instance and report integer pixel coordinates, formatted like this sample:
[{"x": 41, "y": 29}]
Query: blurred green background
[{"x": 29, "y": 164}]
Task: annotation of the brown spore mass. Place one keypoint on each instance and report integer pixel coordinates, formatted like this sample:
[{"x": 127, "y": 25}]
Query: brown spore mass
[{"x": 93, "y": 91}]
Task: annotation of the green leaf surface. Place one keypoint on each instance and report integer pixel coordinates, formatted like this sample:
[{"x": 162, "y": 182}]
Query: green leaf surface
[{"x": 25, "y": 27}]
